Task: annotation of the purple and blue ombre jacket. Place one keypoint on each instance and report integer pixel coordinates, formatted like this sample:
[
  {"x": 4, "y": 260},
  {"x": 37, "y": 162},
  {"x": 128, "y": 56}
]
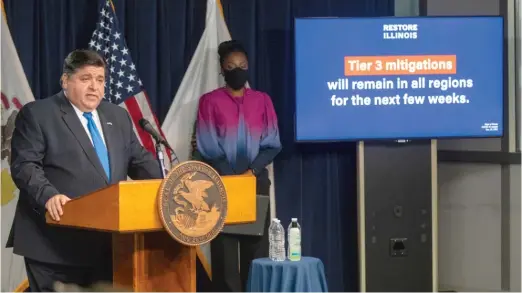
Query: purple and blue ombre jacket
[{"x": 236, "y": 134}]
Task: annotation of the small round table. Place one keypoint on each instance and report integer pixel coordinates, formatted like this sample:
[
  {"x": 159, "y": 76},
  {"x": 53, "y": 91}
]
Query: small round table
[{"x": 306, "y": 275}]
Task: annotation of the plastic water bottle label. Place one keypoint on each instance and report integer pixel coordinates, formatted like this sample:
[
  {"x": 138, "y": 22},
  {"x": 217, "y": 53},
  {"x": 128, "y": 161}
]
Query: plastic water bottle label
[{"x": 294, "y": 244}]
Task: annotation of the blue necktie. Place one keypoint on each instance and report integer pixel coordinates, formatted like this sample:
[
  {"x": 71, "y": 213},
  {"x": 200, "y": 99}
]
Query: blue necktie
[{"x": 99, "y": 146}]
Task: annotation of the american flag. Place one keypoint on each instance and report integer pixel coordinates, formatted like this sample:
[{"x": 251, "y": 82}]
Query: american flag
[{"x": 122, "y": 85}]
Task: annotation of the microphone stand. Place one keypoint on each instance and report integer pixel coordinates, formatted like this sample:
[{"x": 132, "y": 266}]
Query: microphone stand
[
  {"x": 174, "y": 157},
  {"x": 159, "y": 156}
]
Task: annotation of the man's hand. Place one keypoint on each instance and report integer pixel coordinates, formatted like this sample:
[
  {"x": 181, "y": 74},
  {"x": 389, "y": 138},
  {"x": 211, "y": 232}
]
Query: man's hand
[{"x": 54, "y": 206}]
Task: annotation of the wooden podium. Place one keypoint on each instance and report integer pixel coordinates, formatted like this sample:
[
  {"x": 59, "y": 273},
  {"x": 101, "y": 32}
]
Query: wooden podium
[{"x": 145, "y": 257}]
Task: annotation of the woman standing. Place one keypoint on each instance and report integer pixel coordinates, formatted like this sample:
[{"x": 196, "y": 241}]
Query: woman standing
[{"x": 236, "y": 132}]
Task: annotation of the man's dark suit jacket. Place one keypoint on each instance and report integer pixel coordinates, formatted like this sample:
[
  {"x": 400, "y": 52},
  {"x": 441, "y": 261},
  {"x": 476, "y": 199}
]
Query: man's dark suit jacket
[{"x": 52, "y": 154}]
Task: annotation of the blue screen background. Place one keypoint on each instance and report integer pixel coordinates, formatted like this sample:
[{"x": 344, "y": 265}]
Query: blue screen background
[{"x": 322, "y": 43}]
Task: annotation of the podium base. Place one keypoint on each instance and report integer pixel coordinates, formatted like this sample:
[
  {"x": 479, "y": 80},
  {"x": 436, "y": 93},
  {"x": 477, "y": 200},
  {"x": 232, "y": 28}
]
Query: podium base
[{"x": 153, "y": 262}]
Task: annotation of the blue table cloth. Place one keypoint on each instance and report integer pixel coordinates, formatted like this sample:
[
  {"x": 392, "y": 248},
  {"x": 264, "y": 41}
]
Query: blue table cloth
[{"x": 306, "y": 275}]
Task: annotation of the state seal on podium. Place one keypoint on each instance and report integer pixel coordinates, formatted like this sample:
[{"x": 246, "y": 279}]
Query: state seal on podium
[{"x": 192, "y": 203}]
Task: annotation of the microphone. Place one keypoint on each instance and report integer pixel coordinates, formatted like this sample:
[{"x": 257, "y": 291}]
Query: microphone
[{"x": 145, "y": 124}]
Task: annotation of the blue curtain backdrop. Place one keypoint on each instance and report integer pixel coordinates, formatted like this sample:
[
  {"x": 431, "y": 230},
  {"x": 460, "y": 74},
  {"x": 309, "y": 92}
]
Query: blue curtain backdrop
[{"x": 315, "y": 183}]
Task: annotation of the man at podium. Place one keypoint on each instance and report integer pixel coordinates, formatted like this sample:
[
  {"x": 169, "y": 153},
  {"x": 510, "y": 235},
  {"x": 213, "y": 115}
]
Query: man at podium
[
  {"x": 63, "y": 147},
  {"x": 237, "y": 132}
]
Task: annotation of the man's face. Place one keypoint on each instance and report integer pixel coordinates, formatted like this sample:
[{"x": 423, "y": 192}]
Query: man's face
[{"x": 84, "y": 88}]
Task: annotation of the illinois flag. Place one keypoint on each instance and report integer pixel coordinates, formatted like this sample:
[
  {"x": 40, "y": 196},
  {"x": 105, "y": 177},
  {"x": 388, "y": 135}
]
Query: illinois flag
[
  {"x": 15, "y": 93},
  {"x": 202, "y": 76}
]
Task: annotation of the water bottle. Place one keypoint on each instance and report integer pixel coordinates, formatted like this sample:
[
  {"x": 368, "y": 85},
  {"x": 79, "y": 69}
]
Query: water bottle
[
  {"x": 271, "y": 239},
  {"x": 281, "y": 253},
  {"x": 294, "y": 240},
  {"x": 276, "y": 241}
]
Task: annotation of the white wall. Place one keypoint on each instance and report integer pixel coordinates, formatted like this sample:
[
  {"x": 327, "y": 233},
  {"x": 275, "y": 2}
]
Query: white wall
[
  {"x": 406, "y": 7},
  {"x": 469, "y": 227},
  {"x": 471, "y": 202},
  {"x": 518, "y": 66},
  {"x": 515, "y": 189},
  {"x": 460, "y": 8},
  {"x": 515, "y": 228}
]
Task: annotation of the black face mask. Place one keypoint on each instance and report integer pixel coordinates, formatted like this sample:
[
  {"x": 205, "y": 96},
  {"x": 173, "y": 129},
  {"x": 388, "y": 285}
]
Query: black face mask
[{"x": 236, "y": 78}]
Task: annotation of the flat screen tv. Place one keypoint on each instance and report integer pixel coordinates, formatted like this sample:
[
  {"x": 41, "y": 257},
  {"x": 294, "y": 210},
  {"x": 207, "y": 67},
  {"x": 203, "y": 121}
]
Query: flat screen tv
[{"x": 398, "y": 78}]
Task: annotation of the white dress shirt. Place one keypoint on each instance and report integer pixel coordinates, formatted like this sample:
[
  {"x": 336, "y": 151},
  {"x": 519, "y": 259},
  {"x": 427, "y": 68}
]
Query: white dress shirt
[{"x": 84, "y": 121}]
